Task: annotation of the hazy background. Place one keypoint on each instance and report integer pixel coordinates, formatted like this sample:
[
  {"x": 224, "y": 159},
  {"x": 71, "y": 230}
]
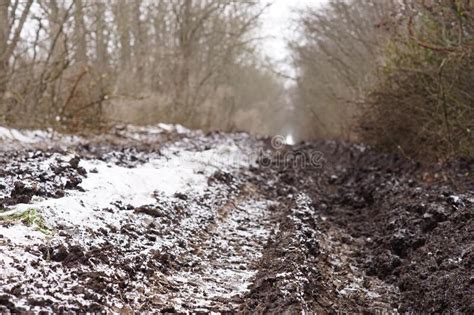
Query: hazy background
[
  {"x": 396, "y": 74},
  {"x": 279, "y": 25}
]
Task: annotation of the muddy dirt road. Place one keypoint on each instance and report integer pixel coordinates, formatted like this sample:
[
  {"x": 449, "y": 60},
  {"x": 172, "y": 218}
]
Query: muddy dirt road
[{"x": 163, "y": 219}]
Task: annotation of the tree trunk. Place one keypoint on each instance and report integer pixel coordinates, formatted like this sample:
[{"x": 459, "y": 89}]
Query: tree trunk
[
  {"x": 80, "y": 33},
  {"x": 139, "y": 35},
  {"x": 101, "y": 54},
  {"x": 184, "y": 53},
  {"x": 122, "y": 21},
  {"x": 4, "y": 25},
  {"x": 58, "y": 42}
]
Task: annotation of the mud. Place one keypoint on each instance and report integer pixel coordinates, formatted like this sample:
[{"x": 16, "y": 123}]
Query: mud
[
  {"x": 407, "y": 224},
  {"x": 318, "y": 227},
  {"x": 29, "y": 173}
]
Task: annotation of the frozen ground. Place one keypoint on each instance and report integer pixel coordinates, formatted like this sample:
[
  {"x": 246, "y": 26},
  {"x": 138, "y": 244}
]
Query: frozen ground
[
  {"x": 165, "y": 219},
  {"x": 110, "y": 241}
]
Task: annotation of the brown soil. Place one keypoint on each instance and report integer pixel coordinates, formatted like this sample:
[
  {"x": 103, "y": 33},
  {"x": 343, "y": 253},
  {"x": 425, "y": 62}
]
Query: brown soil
[
  {"x": 407, "y": 225},
  {"x": 356, "y": 231}
]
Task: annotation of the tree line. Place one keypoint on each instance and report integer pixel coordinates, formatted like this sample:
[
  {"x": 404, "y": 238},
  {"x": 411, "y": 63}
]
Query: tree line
[
  {"x": 75, "y": 64},
  {"x": 396, "y": 74}
]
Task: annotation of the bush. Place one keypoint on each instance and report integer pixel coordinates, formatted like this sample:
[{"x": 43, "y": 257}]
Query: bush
[{"x": 423, "y": 103}]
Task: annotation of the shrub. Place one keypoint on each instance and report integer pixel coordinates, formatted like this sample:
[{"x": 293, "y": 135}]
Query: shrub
[{"x": 423, "y": 102}]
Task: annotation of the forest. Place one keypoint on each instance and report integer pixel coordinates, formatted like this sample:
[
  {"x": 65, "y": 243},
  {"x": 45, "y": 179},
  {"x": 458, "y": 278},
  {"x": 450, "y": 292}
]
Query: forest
[
  {"x": 392, "y": 73},
  {"x": 155, "y": 156}
]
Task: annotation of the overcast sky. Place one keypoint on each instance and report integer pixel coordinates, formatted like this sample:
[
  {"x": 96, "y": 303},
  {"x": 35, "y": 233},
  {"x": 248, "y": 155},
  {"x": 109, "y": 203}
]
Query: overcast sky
[{"x": 278, "y": 26}]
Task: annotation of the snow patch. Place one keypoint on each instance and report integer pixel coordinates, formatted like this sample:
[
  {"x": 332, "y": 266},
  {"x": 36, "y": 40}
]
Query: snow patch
[
  {"x": 25, "y": 136},
  {"x": 175, "y": 172},
  {"x": 106, "y": 216}
]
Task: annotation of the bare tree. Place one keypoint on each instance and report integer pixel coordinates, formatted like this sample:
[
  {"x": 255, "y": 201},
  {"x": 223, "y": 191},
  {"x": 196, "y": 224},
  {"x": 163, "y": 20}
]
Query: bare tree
[
  {"x": 9, "y": 36},
  {"x": 181, "y": 56},
  {"x": 101, "y": 39},
  {"x": 4, "y": 32},
  {"x": 337, "y": 61},
  {"x": 80, "y": 33},
  {"x": 122, "y": 21}
]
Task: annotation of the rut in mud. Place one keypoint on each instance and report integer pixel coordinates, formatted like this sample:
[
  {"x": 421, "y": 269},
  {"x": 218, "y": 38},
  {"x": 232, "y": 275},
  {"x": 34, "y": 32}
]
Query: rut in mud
[{"x": 163, "y": 219}]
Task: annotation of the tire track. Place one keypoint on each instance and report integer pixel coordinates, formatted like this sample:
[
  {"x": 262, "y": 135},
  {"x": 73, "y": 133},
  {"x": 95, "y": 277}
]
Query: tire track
[{"x": 225, "y": 260}]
